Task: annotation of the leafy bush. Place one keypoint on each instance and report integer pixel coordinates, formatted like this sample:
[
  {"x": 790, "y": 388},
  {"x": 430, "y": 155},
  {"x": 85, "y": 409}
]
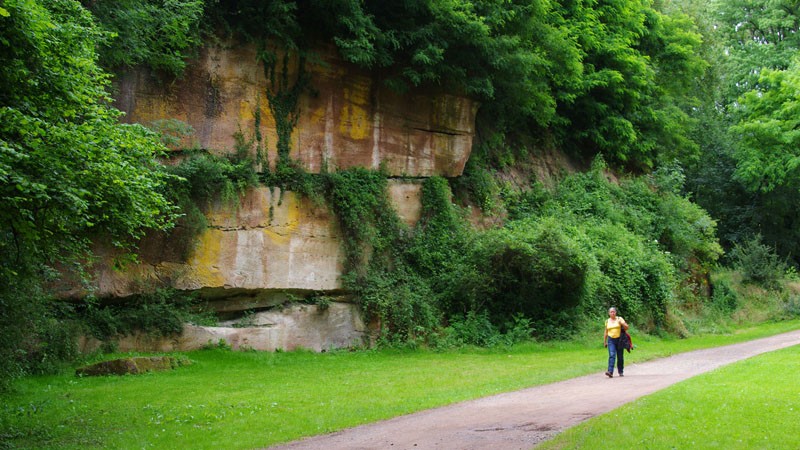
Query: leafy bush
[
  {"x": 161, "y": 34},
  {"x": 532, "y": 268},
  {"x": 478, "y": 185},
  {"x": 33, "y": 339},
  {"x": 724, "y": 297},
  {"x": 632, "y": 274},
  {"x": 527, "y": 203},
  {"x": 758, "y": 262},
  {"x": 162, "y": 312},
  {"x": 204, "y": 177},
  {"x": 651, "y": 207},
  {"x": 438, "y": 244},
  {"x": 474, "y": 328},
  {"x": 621, "y": 230},
  {"x": 369, "y": 224},
  {"x": 400, "y": 300},
  {"x": 792, "y": 307}
]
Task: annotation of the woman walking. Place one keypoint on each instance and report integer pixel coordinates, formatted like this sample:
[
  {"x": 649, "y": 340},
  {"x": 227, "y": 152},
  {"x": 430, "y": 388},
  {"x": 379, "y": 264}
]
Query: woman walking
[{"x": 614, "y": 328}]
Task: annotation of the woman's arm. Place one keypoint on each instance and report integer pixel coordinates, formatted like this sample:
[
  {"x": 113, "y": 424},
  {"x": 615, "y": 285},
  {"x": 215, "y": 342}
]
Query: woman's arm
[{"x": 605, "y": 337}]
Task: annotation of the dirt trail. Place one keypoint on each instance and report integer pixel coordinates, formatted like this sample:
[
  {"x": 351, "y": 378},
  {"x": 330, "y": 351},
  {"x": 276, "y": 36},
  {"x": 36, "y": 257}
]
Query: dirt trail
[{"x": 521, "y": 419}]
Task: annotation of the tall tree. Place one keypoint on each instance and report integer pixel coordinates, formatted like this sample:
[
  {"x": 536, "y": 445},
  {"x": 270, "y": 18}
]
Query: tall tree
[
  {"x": 631, "y": 104},
  {"x": 161, "y": 34},
  {"x": 755, "y": 34},
  {"x": 68, "y": 169},
  {"x": 747, "y": 175}
]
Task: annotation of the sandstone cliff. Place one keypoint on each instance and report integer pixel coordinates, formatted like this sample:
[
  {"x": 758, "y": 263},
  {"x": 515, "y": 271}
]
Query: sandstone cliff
[
  {"x": 347, "y": 116},
  {"x": 276, "y": 245}
]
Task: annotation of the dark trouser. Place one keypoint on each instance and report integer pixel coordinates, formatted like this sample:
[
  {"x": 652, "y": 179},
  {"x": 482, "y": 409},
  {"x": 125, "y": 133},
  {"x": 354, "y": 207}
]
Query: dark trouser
[{"x": 615, "y": 351}]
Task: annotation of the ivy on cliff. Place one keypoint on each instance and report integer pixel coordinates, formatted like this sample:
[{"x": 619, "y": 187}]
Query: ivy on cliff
[{"x": 283, "y": 94}]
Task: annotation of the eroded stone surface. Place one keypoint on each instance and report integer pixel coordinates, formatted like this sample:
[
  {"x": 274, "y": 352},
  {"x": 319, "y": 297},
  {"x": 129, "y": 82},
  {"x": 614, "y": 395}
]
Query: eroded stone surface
[
  {"x": 271, "y": 246},
  {"x": 338, "y": 325},
  {"x": 346, "y": 117},
  {"x": 405, "y": 197}
]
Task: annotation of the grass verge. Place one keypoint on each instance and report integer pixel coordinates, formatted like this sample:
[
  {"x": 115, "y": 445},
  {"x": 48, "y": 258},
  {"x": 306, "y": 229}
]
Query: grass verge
[
  {"x": 751, "y": 404},
  {"x": 254, "y": 399}
]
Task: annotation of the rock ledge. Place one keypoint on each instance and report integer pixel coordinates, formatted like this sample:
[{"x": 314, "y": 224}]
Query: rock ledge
[{"x": 132, "y": 366}]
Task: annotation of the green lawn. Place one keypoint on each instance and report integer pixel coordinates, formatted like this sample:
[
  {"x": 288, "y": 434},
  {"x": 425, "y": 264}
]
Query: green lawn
[
  {"x": 254, "y": 399},
  {"x": 754, "y": 404}
]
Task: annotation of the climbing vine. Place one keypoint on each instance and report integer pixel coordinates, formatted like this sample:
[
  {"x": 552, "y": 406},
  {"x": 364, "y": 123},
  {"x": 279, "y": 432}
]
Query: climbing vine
[
  {"x": 283, "y": 92},
  {"x": 369, "y": 224}
]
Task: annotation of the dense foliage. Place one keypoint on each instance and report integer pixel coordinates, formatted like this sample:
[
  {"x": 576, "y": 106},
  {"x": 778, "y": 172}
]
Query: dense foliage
[
  {"x": 748, "y": 175},
  {"x": 68, "y": 169},
  {"x": 648, "y": 85},
  {"x": 160, "y": 34},
  {"x": 565, "y": 255}
]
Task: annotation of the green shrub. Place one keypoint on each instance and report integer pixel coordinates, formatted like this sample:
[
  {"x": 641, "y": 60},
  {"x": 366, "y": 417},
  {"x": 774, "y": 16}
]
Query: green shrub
[
  {"x": 161, "y": 312},
  {"x": 41, "y": 343},
  {"x": 558, "y": 325},
  {"x": 590, "y": 194},
  {"x": 401, "y": 301},
  {"x": 161, "y": 34},
  {"x": 205, "y": 177},
  {"x": 758, "y": 262},
  {"x": 686, "y": 230},
  {"x": 528, "y": 203},
  {"x": 650, "y": 207},
  {"x": 792, "y": 306},
  {"x": 171, "y": 131},
  {"x": 441, "y": 234},
  {"x": 632, "y": 274},
  {"x": 635, "y": 233},
  {"x": 518, "y": 329},
  {"x": 724, "y": 296},
  {"x": 474, "y": 328},
  {"x": 478, "y": 185},
  {"x": 369, "y": 224},
  {"x": 532, "y": 268},
  {"x": 33, "y": 338}
]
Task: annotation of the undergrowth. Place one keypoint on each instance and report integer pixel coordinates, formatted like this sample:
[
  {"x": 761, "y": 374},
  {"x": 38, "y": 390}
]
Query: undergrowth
[{"x": 161, "y": 312}]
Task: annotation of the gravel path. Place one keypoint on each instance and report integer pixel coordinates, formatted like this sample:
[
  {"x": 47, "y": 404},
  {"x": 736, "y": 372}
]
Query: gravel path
[{"x": 521, "y": 419}]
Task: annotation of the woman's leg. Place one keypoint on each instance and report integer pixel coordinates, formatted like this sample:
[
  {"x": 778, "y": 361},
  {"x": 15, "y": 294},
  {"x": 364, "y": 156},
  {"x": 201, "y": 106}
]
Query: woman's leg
[
  {"x": 620, "y": 360},
  {"x": 612, "y": 354}
]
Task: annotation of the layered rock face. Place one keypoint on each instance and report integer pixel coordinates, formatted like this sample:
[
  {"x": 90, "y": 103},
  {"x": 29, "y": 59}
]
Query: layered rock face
[
  {"x": 267, "y": 249},
  {"x": 346, "y": 116},
  {"x": 309, "y": 327},
  {"x": 275, "y": 246}
]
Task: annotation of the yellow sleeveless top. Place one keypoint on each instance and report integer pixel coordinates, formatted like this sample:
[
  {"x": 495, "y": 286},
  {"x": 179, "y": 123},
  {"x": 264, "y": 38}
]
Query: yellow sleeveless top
[{"x": 614, "y": 327}]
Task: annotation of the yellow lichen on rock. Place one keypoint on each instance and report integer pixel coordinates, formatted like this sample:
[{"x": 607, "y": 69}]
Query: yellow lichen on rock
[
  {"x": 355, "y": 120},
  {"x": 206, "y": 258},
  {"x": 150, "y": 109}
]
